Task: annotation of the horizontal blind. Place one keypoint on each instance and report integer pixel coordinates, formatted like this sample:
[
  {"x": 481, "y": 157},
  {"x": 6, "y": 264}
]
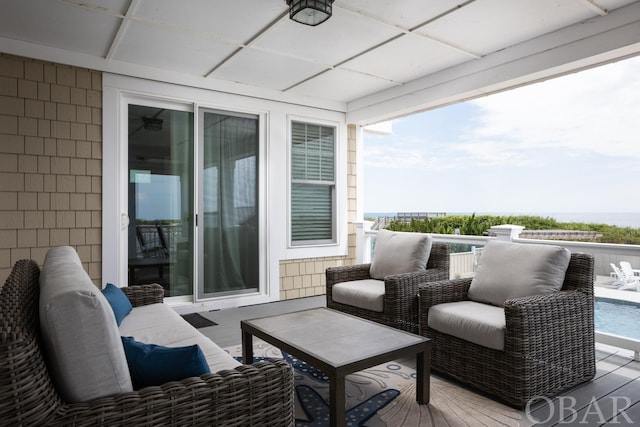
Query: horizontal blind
[
  {"x": 313, "y": 175},
  {"x": 311, "y": 213},
  {"x": 312, "y": 152}
]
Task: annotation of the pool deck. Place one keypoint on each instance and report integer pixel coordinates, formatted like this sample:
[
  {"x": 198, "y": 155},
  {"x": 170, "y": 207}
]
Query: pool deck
[{"x": 602, "y": 289}]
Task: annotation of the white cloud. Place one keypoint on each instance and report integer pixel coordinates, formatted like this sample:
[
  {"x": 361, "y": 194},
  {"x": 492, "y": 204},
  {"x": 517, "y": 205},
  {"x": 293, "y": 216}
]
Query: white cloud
[
  {"x": 595, "y": 111},
  {"x": 514, "y": 151},
  {"x": 404, "y": 153},
  {"x": 489, "y": 153}
]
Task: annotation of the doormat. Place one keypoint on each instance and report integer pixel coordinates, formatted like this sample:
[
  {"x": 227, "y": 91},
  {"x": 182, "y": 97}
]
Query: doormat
[
  {"x": 198, "y": 321},
  {"x": 384, "y": 396}
]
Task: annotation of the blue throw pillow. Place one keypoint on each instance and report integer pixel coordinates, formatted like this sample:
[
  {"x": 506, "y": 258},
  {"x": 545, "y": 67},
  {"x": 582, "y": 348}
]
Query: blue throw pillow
[
  {"x": 118, "y": 301},
  {"x": 151, "y": 364}
]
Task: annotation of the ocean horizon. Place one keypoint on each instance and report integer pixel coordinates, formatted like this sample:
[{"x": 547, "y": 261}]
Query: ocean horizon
[{"x": 619, "y": 219}]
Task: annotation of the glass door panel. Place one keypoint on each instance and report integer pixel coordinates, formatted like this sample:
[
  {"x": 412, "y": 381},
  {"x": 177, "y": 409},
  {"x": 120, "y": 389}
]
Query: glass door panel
[
  {"x": 229, "y": 203},
  {"x": 161, "y": 188}
]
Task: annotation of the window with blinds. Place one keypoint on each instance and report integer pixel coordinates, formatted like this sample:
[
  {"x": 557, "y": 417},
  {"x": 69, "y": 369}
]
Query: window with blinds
[{"x": 312, "y": 183}]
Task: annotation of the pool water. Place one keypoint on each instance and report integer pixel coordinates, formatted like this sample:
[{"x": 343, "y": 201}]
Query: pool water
[{"x": 618, "y": 317}]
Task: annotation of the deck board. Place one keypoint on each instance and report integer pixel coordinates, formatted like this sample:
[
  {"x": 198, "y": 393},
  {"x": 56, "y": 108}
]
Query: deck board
[{"x": 630, "y": 416}]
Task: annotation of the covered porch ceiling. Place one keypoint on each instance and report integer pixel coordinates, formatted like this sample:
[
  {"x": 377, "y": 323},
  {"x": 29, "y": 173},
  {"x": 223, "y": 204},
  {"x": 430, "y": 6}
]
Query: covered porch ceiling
[{"x": 373, "y": 59}]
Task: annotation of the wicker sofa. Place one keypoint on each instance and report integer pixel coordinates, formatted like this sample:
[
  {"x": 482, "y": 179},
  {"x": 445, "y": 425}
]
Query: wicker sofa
[
  {"x": 399, "y": 300},
  {"x": 245, "y": 395},
  {"x": 548, "y": 339}
]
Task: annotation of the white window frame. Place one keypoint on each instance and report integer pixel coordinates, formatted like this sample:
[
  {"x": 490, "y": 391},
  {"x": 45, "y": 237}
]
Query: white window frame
[
  {"x": 331, "y": 185},
  {"x": 337, "y": 247}
]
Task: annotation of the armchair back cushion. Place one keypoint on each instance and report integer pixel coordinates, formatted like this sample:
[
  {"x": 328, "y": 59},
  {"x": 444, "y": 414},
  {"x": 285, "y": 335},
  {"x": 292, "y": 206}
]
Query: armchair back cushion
[
  {"x": 509, "y": 270},
  {"x": 398, "y": 252}
]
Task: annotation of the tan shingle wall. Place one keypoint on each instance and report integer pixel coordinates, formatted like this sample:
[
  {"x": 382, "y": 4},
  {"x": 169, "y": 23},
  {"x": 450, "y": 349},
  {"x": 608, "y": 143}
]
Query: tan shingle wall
[
  {"x": 305, "y": 277},
  {"x": 50, "y": 162}
]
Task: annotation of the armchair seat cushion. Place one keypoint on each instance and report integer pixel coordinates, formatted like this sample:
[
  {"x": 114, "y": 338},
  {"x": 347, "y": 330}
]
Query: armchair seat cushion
[
  {"x": 367, "y": 294},
  {"x": 482, "y": 324},
  {"x": 509, "y": 270}
]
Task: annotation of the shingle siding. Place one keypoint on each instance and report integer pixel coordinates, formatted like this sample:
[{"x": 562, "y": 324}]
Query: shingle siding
[{"x": 50, "y": 152}]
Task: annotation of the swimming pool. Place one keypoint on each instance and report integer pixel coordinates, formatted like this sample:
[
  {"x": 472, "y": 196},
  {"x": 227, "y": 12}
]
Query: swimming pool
[{"x": 617, "y": 317}]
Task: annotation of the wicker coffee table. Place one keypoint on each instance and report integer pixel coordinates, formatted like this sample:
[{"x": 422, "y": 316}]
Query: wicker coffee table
[{"x": 339, "y": 344}]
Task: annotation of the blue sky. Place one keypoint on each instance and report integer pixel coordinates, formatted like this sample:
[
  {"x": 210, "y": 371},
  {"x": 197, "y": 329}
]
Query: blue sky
[
  {"x": 570, "y": 144},
  {"x": 158, "y": 198}
]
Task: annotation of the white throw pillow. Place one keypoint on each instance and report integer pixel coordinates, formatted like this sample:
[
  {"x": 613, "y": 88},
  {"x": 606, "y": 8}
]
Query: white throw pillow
[
  {"x": 509, "y": 270},
  {"x": 399, "y": 252}
]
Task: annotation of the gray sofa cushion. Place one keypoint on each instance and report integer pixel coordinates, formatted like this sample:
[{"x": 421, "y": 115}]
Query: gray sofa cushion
[
  {"x": 367, "y": 294},
  {"x": 82, "y": 344},
  {"x": 482, "y": 324},
  {"x": 160, "y": 324},
  {"x": 399, "y": 252},
  {"x": 509, "y": 270}
]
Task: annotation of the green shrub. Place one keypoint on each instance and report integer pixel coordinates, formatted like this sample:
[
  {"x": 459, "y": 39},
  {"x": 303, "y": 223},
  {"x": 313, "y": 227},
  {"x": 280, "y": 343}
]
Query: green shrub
[{"x": 477, "y": 225}]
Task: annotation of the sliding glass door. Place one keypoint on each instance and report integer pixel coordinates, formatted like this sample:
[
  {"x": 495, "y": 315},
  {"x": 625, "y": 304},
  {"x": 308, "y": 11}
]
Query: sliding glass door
[
  {"x": 161, "y": 198},
  {"x": 229, "y": 203},
  {"x": 193, "y": 200}
]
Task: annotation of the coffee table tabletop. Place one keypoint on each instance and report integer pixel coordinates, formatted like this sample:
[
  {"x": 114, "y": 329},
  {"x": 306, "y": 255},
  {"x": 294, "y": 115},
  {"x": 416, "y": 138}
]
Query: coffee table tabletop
[{"x": 339, "y": 344}]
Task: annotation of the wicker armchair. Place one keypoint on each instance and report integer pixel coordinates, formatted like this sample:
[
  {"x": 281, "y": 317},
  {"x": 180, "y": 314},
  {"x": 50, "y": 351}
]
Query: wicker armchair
[
  {"x": 400, "y": 304},
  {"x": 250, "y": 395},
  {"x": 548, "y": 340}
]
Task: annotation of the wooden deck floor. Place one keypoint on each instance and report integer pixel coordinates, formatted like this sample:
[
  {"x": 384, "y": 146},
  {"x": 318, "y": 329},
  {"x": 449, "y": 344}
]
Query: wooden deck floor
[{"x": 611, "y": 399}]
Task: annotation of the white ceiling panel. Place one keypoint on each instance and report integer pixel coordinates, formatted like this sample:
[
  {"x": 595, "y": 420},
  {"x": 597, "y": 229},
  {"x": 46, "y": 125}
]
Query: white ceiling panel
[
  {"x": 167, "y": 48},
  {"x": 338, "y": 39},
  {"x": 611, "y": 4},
  {"x": 258, "y": 68},
  {"x": 486, "y": 26},
  {"x": 369, "y": 53},
  {"x": 111, "y": 6},
  {"x": 341, "y": 85},
  {"x": 57, "y": 24},
  {"x": 407, "y": 58},
  {"x": 236, "y": 20},
  {"x": 406, "y": 14}
]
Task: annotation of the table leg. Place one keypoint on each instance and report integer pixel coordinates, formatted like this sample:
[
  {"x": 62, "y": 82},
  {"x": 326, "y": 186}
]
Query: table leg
[
  {"x": 336, "y": 401},
  {"x": 423, "y": 375},
  {"x": 247, "y": 348}
]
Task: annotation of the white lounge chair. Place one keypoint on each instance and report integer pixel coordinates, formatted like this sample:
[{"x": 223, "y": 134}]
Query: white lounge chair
[
  {"x": 625, "y": 266},
  {"x": 626, "y": 276}
]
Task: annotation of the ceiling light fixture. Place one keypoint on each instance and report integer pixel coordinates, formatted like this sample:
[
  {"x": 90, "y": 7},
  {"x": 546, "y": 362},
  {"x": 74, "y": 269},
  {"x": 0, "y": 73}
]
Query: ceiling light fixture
[
  {"x": 152, "y": 123},
  {"x": 310, "y": 12}
]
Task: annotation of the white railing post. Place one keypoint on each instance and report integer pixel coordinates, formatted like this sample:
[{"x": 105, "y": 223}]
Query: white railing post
[
  {"x": 363, "y": 241},
  {"x": 506, "y": 232}
]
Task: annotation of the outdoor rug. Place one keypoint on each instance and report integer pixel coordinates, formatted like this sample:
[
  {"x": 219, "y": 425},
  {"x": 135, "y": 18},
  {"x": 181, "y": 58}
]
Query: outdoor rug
[
  {"x": 385, "y": 396},
  {"x": 198, "y": 321}
]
